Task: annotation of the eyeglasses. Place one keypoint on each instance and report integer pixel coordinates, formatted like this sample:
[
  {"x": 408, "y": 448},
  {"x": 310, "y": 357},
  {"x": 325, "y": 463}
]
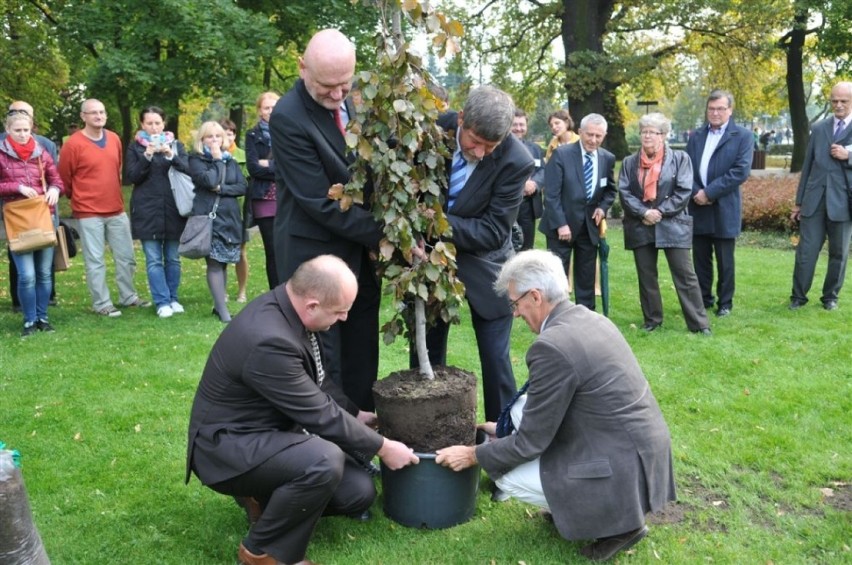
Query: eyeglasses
[
  {"x": 649, "y": 133},
  {"x": 96, "y": 112},
  {"x": 13, "y": 112},
  {"x": 513, "y": 305},
  {"x": 717, "y": 110}
]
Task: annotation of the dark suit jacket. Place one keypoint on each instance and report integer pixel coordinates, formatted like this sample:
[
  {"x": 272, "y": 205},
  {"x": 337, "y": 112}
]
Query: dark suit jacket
[
  {"x": 605, "y": 449},
  {"x": 534, "y": 200},
  {"x": 259, "y": 392},
  {"x": 729, "y": 167},
  {"x": 823, "y": 175},
  {"x": 310, "y": 156},
  {"x": 565, "y": 191},
  {"x": 482, "y": 218}
]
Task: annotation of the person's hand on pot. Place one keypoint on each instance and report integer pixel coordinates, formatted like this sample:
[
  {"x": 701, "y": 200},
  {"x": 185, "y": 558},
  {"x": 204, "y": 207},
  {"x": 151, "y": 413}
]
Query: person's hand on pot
[
  {"x": 456, "y": 457},
  {"x": 396, "y": 455}
]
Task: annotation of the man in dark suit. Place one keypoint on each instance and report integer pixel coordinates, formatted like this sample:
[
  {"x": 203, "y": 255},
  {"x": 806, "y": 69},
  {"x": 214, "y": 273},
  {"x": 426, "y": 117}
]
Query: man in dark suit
[
  {"x": 267, "y": 428},
  {"x": 721, "y": 154},
  {"x": 487, "y": 175},
  {"x": 579, "y": 189},
  {"x": 530, "y": 209},
  {"x": 823, "y": 200},
  {"x": 585, "y": 438},
  {"x": 310, "y": 156}
]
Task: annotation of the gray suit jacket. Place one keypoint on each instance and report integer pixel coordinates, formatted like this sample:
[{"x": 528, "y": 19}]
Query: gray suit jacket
[
  {"x": 590, "y": 416},
  {"x": 258, "y": 394},
  {"x": 823, "y": 175}
]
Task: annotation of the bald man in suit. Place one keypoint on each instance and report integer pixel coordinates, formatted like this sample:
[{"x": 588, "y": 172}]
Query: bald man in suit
[
  {"x": 822, "y": 202},
  {"x": 310, "y": 156}
]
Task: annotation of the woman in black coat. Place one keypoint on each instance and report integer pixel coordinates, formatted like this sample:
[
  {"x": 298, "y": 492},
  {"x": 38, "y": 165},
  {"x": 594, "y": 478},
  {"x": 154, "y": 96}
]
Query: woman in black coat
[
  {"x": 260, "y": 203},
  {"x": 154, "y": 217},
  {"x": 655, "y": 185},
  {"x": 218, "y": 182}
]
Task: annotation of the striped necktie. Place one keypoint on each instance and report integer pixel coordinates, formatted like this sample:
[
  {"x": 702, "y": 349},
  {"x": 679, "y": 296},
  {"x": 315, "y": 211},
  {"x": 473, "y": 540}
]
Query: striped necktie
[
  {"x": 838, "y": 133},
  {"x": 315, "y": 350},
  {"x": 588, "y": 172},
  {"x": 458, "y": 176}
]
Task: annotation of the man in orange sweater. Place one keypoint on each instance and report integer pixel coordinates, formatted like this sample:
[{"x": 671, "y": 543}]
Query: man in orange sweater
[{"x": 90, "y": 167}]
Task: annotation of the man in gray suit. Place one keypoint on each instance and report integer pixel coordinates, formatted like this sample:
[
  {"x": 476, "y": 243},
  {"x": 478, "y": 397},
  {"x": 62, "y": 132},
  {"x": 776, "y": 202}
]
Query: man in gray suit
[
  {"x": 269, "y": 429},
  {"x": 822, "y": 202},
  {"x": 584, "y": 438}
]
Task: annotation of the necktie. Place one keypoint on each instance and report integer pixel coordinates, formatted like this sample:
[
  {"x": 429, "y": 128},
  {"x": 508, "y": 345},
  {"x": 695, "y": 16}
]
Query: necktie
[
  {"x": 588, "y": 173},
  {"x": 315, "y": 350},
  {"x": 841, "y": 127},
  {"x": 458, "y": 176},
  {"x": 338, "y": 119},
  {"x": 505, "y": 426}
]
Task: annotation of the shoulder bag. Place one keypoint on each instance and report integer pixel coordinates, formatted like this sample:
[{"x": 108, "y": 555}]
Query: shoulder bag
[
  {"x": 197, "y": 237},
  {"x": 183, "y": 190}
]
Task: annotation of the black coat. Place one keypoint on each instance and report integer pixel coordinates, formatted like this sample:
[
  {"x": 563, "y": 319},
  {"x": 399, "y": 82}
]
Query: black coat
[
  {"x": 206, "y": 174},
  {"x": 260, "y": 178},
  {"x": 153, "y": 212}
]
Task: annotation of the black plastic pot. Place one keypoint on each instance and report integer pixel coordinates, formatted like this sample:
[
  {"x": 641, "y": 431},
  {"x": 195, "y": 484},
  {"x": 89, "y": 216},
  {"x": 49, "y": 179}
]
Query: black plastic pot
[{"x": 428, "y": 495}]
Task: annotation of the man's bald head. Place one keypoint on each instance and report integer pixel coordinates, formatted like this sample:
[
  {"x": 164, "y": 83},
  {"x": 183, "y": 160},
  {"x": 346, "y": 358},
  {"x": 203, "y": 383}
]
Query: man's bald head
[
  {"x": 327, "y": 67},
  {"x": 322, "y": 291},
  {"x": 23, "y": 107},
  {"x": 841, "y": 100}
]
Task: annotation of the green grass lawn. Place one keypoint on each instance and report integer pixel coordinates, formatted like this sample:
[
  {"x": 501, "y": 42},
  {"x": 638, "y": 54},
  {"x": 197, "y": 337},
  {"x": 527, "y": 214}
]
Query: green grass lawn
[{"x": 759, "y": 417}]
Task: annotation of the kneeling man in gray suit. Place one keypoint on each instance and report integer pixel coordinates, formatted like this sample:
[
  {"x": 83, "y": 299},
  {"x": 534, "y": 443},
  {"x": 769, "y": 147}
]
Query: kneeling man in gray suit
[
  {"x": 584, "y": 439},
  {"x": 270, "y": 430}
]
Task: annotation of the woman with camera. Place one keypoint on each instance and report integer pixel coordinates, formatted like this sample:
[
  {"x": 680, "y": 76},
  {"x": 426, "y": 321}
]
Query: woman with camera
[{"x": 154, "y": 217}]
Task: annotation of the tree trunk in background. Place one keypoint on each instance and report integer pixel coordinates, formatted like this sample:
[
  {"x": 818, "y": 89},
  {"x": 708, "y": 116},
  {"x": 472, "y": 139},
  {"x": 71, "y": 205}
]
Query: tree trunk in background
[
  {"x": 793, "y": 45},
  {"x": 583, "y": 26}
]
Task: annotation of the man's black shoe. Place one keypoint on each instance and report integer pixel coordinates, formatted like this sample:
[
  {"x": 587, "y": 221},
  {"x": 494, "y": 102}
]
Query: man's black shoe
[
  {"x": 604, "y": 548},
  {"x": 722, "y": 312},
  {"x": 830, "y": 305},
  {"x": 795, "y": 305},
  {"x": 364, "y": 516},
  {"x": 650, "y": 326}
]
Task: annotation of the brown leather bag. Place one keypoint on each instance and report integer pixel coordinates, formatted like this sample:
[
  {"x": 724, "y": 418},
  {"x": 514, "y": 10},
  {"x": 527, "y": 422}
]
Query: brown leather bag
[{"x": 29, "y": 226}]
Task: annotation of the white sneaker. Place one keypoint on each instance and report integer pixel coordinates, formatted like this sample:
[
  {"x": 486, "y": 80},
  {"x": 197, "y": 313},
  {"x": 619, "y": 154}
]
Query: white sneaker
[
  {"x": 165, "y": 311},
  {"x": 177, "y": 308}
]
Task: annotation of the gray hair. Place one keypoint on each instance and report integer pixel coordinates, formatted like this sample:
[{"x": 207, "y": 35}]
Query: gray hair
[
  {"x": 537, "y": 269},
  {"x": 488, "y": 112},
  {"x": 656, "y": 120},
  {"x": 593, "y": 119},
  {"x": 718, "y": 94}
]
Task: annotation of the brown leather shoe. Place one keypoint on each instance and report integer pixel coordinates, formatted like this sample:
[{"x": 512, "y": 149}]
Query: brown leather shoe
[
  {"x": 251, "y": 506},
  {"x": 604, "y": 548},
  {"x": 248, "y": 558}
]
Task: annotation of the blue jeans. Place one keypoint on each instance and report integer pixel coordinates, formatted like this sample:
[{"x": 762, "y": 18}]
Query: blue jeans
[
  {"x": 162, "y": 263},
  {"x": 34, "y": 284}
]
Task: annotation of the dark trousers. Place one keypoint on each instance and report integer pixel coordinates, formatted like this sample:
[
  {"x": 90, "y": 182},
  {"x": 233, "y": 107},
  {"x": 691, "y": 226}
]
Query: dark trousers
[
  {"x": 13, "y": 282},
  {"x": 264, "y": 226},
  {"x": 814, "y": 230},
  {"x": 685, "y": 281},
  {"x": 295, "y": 488},
  {"x": 492, "y": 340},
  {"x": 585, "y": 255},
  {"x": 352, "y": 347},
  {"x": 526, "y": 220},
  {"x": 703, "y": 249}
]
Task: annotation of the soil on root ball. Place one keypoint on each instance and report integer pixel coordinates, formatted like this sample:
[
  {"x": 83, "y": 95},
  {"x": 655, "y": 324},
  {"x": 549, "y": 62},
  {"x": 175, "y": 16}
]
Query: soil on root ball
[{"x": 425, "y": 414}]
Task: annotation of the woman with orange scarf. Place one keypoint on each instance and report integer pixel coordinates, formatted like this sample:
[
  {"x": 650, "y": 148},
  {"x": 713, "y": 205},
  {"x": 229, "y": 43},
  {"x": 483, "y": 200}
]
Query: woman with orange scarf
[{"x": 655, "y": 186}]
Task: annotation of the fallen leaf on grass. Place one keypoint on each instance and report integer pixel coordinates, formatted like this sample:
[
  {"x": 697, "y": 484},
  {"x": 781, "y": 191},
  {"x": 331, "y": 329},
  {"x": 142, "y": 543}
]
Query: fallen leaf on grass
[
  {"x": 746, "y": 391},
  {"x": 137, "y": 428},
  {"x": 827, "y": 492},
  {"x": 78, "y": 437}
]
